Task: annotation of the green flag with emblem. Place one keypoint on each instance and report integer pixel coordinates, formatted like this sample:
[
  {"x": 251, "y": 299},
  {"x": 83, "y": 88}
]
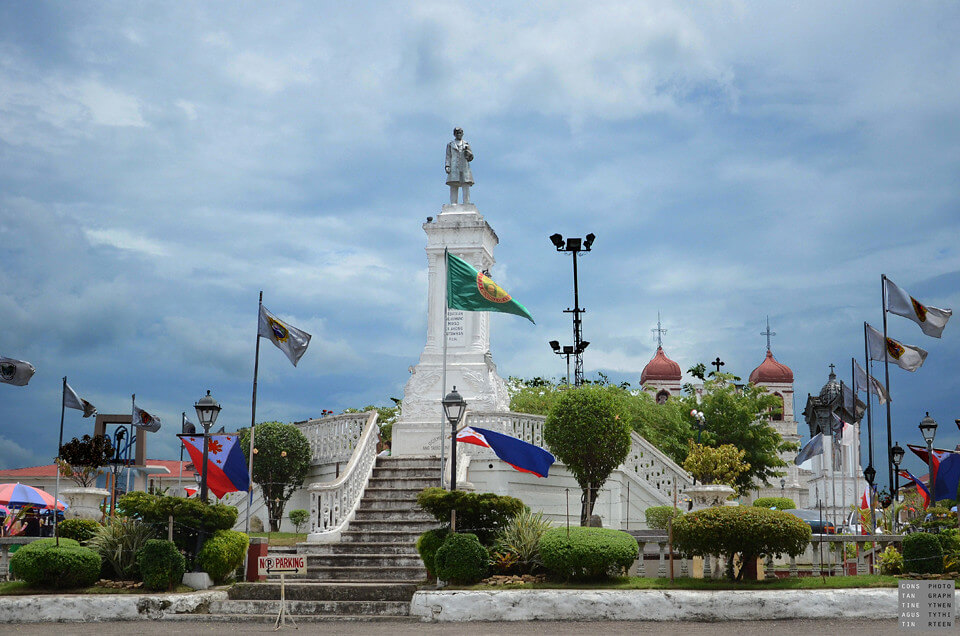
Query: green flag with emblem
[{"x": 470, "y": 290}]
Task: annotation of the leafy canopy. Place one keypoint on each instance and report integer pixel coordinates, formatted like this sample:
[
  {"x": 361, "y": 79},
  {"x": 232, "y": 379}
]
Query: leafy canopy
[
  {"x": 281, "y": 462},
  {"x": 720, "y": 465}
]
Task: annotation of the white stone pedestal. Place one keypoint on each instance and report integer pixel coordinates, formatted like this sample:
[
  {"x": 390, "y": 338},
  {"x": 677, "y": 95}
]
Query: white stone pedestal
[
  {"x": 83, "y": 503},
  {"x": 461, "y": 229}
]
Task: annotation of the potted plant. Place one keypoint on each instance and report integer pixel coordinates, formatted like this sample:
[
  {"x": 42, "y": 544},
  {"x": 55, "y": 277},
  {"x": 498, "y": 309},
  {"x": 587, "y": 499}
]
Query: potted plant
[
  {"x": 83, "y": 460},
  {"x": 716, "y": 470}
]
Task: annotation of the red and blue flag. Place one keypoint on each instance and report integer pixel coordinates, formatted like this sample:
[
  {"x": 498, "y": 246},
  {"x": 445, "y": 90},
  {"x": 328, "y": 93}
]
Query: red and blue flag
[
  {"x": 523, "y": 456},
  {"x": 921, "y": 487},
  {"x": 948, "y": 477},
  {"x": 226, "y": 464}
]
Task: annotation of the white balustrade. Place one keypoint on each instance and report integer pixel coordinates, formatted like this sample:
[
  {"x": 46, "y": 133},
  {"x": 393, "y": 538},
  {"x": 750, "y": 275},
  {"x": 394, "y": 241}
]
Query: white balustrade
[
  {"x": 333, "y": 504},
  {"x": 333, "y": 439}
]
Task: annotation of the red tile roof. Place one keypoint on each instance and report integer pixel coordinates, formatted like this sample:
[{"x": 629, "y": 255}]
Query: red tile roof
[{"x": 50, "y": 470}]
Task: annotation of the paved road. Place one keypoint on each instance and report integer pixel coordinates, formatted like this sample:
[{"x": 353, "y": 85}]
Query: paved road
[{"x": 733, "y": 628}]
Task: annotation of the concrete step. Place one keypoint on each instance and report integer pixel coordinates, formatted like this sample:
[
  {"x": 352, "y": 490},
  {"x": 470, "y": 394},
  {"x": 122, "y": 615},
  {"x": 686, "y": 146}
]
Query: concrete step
[
  {"x": 361, "y": 559},
  {"x": 408, "y": 473},
  {"x": 268, "y": 619},
  {"x": 388, "y": 503},
  {"x": 410, "y": 461},
  {"x": 409, "y": 574},
  {"x": 417, "y": 526},
  {"x": 392, "y": 493},
  {"x": 409, "y": 537},
  {"x": 308, "y": 590},
  {"x": 365, "y": 514},
  {"x": 368, "y": 547},
  {"x": 401, "y": 483},
  {"x": 307, "y": 608}
]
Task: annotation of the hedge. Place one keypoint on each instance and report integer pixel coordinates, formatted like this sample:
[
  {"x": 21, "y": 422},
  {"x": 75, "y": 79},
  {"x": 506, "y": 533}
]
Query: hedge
[
  {"x": 588, "y": 553},
  {"x": 780, "y": 503},
  {"x": 741, "y": 531},
  {"x": 461, "y": 559},
  {"x": 427, "y": 545},
  {"x": 222, "y": 554},
  {"x": 161, "y": 565},
  {"x": 658, "y": 517},
  {"x": 483, "y": 514},
  {"x": 81, "y": 530},
  {"x": 43, "y": 564},
  {"x": 922, "y": 554}
]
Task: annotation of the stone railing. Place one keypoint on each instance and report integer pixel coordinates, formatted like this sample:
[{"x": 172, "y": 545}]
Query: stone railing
[
  {"x": 833, "y": 562},
  {"x": 529, "y": 428},
  {"x": 333, "y": 504},
  {"x": 333, "y": 439},
  {"x": 650, "y": 465}
]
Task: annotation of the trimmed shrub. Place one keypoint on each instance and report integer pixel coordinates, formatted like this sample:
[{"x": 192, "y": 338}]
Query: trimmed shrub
[
  {"x": 81, "y": 530},
  {"x": 298, "y": 518},
  {"x": 780, "y": 503},
  {"x": 222, "y": 554},
  {"x": 658, "y": 517},
  {"x": 118, "y": 543},
  {"x": 483, "y": 514},
  {"x": 588, "y": 553},
  {"x": 521, "y": 538},
  {"x": 922, "y": 554},
  {"x": 161, "y": 565},
  {"x": 891, "y": 561},
  {"x": 43, "y": 564},
  {"x": 742, "y": 531},
  {"x": 427, "y": 545},
  {"x": 461, "y": 559}
]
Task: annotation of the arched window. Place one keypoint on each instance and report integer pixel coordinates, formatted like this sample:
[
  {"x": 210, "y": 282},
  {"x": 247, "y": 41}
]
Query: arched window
[
  {"x": 663, "y": 396},
  {"x": 778, "y": 417}
]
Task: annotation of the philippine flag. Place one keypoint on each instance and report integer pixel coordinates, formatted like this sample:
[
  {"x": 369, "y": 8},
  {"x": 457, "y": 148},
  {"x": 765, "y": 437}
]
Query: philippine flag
[
  {"x": 226, "y": 465},
  {"x": 523, "y": 456}
]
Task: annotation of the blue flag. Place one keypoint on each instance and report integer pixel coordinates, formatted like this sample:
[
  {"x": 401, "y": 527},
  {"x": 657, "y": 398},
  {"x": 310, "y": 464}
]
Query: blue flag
[
  {"x": 522, "y": 455},
  {"x": 813, "y": 447},
  {"x": 948, "y": 478}
]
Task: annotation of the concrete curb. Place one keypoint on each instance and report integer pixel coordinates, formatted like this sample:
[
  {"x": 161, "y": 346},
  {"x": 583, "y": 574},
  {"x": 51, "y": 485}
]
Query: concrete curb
[
  {"x": 653, "y": 605},
  {"x": 103, "y": 607}
]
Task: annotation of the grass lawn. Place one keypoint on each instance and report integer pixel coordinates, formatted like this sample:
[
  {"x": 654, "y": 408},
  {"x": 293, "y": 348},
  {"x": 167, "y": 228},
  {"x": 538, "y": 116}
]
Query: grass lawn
[
  {"x": 280, "y": 539},
  {"x": 636, "y": 583},
  {"x": 20, "y": 588}
]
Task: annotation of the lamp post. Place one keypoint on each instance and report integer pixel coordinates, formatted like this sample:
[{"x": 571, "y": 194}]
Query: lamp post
[
  {"x": 453, "y": 408},
  {"x": 870, "y": 473},
  {"x": 783, "y": 486},
  {"x": 928, "y": 428},
  {"x": 567, "y": 351},
  {"x": 896, "y": 456},
  {"x": 700, "y": 417},
  {"x": 207, "y": 411},
  {"x": 575, "y": 246}
]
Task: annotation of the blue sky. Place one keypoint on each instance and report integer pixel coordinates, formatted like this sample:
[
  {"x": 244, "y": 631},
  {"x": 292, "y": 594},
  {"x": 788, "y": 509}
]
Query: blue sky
[{"x": 160, "y": 163}]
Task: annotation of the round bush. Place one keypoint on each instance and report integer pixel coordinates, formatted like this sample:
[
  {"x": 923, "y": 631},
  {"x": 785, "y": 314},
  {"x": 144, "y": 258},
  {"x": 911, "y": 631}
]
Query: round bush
[
  {"x": 780, "y": 503},
  {"x": 658, "y": 517},
  {"x": 427, "y": 545},
  {"x": 43, "y": 564},
  {"x": 483, "y": 514},
  {"x": 891, "y": 561},
  {"x": 81, "y": 530},
  {"x": 922, "y": 554},
  {"x": 161, "y": 565},
  {"x": 222, "y": 554},
  {"x": 588, "y": 553},
  {"x": 461, "y": 559},
  {"x": 740, "y": 530}
]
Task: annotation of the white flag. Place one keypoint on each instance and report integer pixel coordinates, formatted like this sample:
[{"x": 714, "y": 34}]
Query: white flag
[
  {"x": 288, "y": 339},
  {"x": 847, "y": 433},
  {"x": 907, "y": 357},
  {"x": 142, "y": 419},
  {"x": 15, "y": 372},
  {"x": 873, "y": 386},
  {"x": 932, "y": 320},
  {"x": 73, "y": 401}
]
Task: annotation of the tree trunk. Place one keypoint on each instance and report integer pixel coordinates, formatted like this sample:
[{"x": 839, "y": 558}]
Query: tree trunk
[{"x": 588, "y": 499}]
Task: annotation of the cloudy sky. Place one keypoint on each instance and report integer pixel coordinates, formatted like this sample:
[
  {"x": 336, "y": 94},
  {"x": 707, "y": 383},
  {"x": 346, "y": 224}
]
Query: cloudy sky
[{"x": 160, "y": 163}]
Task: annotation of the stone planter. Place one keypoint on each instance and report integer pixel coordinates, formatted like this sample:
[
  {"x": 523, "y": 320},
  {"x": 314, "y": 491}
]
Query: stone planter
[
  {"x": 83, "y": 503},
  {"x": 708, "y": 495}
]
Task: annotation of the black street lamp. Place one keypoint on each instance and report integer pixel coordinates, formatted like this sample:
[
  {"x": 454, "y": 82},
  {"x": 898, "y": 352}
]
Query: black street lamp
[
  {"x": 896, "y": 455},
  {"x": 575, "y": 246},
  {"x": 207, "y": 411},
  {"x": 928, "y": 428},
  {"x": 783, "y": 486},
  {"x": 700, "y": 417},
  {"x": 453, "y": 408}
]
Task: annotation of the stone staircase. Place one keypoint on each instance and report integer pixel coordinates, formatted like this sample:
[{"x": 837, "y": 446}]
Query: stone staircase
[{"x": 370, "y": 574}]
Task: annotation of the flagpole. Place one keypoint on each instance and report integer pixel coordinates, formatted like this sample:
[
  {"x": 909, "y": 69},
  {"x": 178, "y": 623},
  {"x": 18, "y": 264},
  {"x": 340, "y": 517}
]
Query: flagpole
[
  {"x": 56, "y": 488},
  {"x": 253, "y": 414},
  {"x": 869, "y": 372},
  {"x": 443, "y": 376},
  {"x": 183, "y": 420},
  {"x": 133, "y": 412},
  {"x": 886, "y": 372}
]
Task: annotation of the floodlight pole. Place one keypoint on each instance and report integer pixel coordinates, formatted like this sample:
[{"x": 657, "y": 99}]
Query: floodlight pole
[{"x": 575, "y": 246}]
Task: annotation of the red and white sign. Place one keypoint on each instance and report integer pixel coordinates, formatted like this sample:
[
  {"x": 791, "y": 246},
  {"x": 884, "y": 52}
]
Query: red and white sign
[{"x": 282, "y": 565}]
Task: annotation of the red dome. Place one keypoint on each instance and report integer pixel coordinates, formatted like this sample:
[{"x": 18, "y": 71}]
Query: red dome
[
  {"x": 771, "y": 371},
  {"x": 661, "y": 368}
]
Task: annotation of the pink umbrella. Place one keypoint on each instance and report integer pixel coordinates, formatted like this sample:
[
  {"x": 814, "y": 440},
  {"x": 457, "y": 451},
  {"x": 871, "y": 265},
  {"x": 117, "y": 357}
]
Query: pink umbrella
[{"x": 21, "y": 495}]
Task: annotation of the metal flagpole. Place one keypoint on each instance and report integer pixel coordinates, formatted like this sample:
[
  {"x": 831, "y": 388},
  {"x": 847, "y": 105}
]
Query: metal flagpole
[
  {"x": 183, "y": 420},
  {"x": 833, "y": 468},
  {"x": 56, "y": 488},
  {"x": 886, "y": 372},
  {"x": 253, "y": 414},
  {"x": 443, "y": 376},
  {"x": 133, "y": 412},
  {"x": 868, "y": 370}
]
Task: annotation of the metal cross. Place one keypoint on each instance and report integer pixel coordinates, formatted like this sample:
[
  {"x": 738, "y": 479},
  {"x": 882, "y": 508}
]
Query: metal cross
[
  {"x": 831, "y": 369},
  {"x": 659, "y": 331},
  {"x": 768, "y": 333},
  {"x": 718, "y": 363}
]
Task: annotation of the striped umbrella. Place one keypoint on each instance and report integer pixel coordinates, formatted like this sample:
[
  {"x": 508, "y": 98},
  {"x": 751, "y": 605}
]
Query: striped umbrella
[{"x": 21, "y": 495}]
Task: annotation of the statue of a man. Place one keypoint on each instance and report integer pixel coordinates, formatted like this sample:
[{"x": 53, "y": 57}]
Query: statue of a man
[{"x": 457, "y": 166}]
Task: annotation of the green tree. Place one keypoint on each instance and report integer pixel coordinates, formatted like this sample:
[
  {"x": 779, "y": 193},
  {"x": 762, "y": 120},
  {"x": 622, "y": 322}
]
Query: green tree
[
  {"x": 720, "y": 465},
  {"x": 739, "y": 416},
  {"x": 386, "y": 417},
  {"x": 534, "y": 396},
  {"x": 281, "y": 461},
  {"x": 667, "y": 426},
  {"x": 588, "y": 430}
]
